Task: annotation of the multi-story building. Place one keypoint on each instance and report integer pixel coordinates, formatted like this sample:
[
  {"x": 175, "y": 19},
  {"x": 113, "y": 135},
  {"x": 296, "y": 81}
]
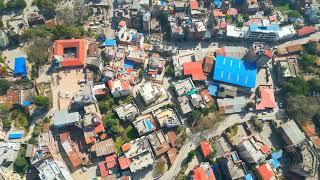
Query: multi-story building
[{"x": 263, "y": 31}]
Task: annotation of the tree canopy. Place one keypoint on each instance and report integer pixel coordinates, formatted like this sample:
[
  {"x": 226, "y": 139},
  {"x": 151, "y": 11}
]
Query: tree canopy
[
  {"x": 20, "y": 165},
  {"x": 294, "y": 14},
  {"x": 296, "y": 86},
  {"x": 16, "y": 4},
  {"x": 4, "y": 86},
  {"x": 42, "y": 102}
]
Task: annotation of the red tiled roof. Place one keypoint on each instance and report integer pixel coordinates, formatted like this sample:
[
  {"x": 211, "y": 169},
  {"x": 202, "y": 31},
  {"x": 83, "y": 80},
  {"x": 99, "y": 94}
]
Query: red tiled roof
[
  {"x": 172, "y": 154},
  {"x": 122, "y": 23},
  {"x": 125, "y": 147},
  {"x": 205, "y": 148},
  {"x": 201, "y": 174},
  {"x": 81, "y": 54},
  {"x": 318, "y": 62},
  {"x": 13, "y": 97},
  {"x": 194, "y": 4},
  {"x": 172, "y": 137},
  {"x": 306, "y": 30},
  {"x": 223, "y": 25},
  {"x": 208, "y": 64},
  {"x": 111, "y": 161},
  {"x": 268, "y": 53},
  {"x": 267, "y": 98},
  {"x": 218, "y": 13},
  {"x": 221, "y": 52},
  {"x": 265, "y": 149},
  {"x": 206, "y": 96},
  {"x": 103, "y": 169},
  {"x": 195, "y": 70},
  {"x": 272, "y": 18},
  {"x": 69, "y": 149},
  {"x": 265, "y": 172},
  {"x": 103, "y": 136},
  {"x": 309, "y": 129},
  {"x": 124, "y": 162},
  {"x": 98, "y": 129}
]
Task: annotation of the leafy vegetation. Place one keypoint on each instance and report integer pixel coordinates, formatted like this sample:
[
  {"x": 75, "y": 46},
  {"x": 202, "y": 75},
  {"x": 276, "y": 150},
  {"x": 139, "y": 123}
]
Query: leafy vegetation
[
  {"x": 36, "y": 131},
  {"x": 159, "y": 168},
  {"x": 20, "y": 119},
  {"x": 20, "y": 165},
  {"x": 6, "y": 123},
  {"x": 190, "y": 156},
  {"x": 4, "y": 86},
  {"x": 42, "y": 102},
  {"x": 257, "y": 123},
  {"x": 16, "y": 5}
]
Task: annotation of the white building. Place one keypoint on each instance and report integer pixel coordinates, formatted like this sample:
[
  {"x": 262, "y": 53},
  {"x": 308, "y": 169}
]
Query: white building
[
  {"x": 127, "y": 111},
  {"x": 167, "y": 118},
  {"x": 236, "y": 32},
  {"x": 250, "y": 150},
  {"x": 119, "y": 88},
  {"x": 287, "y": 32},
  {"x": 139, "y": 153},
  {"x": 150, "y": 92},
  {"x": 51, "y": 170}
]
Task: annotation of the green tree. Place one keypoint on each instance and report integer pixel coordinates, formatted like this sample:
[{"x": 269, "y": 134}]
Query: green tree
[
  {"x": 159, "y": 168},
  {"x": 37, "y": 32},
  {"x": 46, "y": 120},
  {"x": 170, "y": 71},
  {"x": 16, "y": 4},
  {"x": 228, "y": 18},
  {"x": 6, "y": 123},
  {"x": 314, "y": 85},
  {"x": 4, "y": 86},
  {"x": 294, "y": 14},
  {"x": 36, "y": 131},
  {"x": 258, "y": 124},
  {"x": 32, "y": 140},
  {"x": 308, "y": 60},
  {"x": 67, "y": 32},
  {"x": 311, "y": 47},
  {"x": 295, "y": 86},
  {"x": 20, "y": 165},
  {"x": 42, "y": 102},
  {"x": 246, "y": 17},
  {"x": 2, "y": 5}
]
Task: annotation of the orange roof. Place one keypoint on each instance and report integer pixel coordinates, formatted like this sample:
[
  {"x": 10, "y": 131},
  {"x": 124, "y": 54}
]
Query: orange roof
[
  {"x": 81, "y": 53},
  {"x": 71, "y": 152},
  {"x": 124, "y": 162},
  {"x": 267, "y": 98},
  {"x": 122, "y": 23},
  {"x": 206, "y": 96},
  {"x": 200, "y": 174},
  {"x": 172, "y": 154},
  {"x": 13, "y": 97},
  {"x": 125, "y": 147},
  {"x": 309, "y": 129},
  {"x": 195, "y": 70},
  {"x": 318, "y": 62},
  {"x": 103, "y": 136},
  {"x": 221, "y": 52},
  {"x": 218, "y": 13},
  {"x": 265, "y": 172},
  {"x": 111, "y": 161},
  {"x": 103, "y": 169},
  {"x": 268, "y": 53},
  {"x": 265, "y": 149},
  {"x": 194, "y": 4},
  {"x": 223, "y": 25},
  {"x": 172, "y": 138},
  {"x": 306, "y": 30},
  {"x": 99, "y": 128},
  {"x": 205, "y": 148},
  {"x": 272, "y": 18}
]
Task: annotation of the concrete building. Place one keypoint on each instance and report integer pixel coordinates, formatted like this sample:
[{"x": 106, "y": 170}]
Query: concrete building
[
  {"x": 144, "y": 124},
  {"x": 52, "y": 169},
  {"x": 63, "y": 118},
  {"x": 232, "y": 166},
  {"x": 203, "y": 172},
  {"x": 232, "y": 105},
  {"x": 287, "y": 68},
  {"x": 260, "y": 53},
  {"x": 158, "y": 143},
  {"x": 236, "y": 32},
  {"x": 263, "y": 32},
  {"x": 286, "y": 32},
  {"x": 119, "y": 88},
  {"x": 127, "y": 112},
  {"x": 252, "y": 150},
  {"x": 184, "y": 104},
  {"x": 8, "y": 153},
  {"x": 105, "y": 147},
  {"x": 313, "y": 13},
  {"x": 291, "y": 134},
  {"x": 183, "y": 87},
  {"x": 136, "y": 55},
  {"x": 167, "y": 118},
  {"x": 139, "y": 153},
  {"x": 150, "y": 92}
]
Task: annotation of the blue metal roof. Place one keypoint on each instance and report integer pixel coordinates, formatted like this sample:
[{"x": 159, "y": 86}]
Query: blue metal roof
[
  {"x": 217, "y": 3},
  {"x": 20, "y": 68},
  {"x": 15, "y": 135},
  {"x": 235, "y": 71},
  {"x": 110, "y": 42},
  {"x": 249, "y": 177},
  {"x": 270, "y": 28}
]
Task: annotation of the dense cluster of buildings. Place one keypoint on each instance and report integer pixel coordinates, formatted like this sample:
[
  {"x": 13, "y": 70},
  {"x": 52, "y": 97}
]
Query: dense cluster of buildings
[{"x": 136, "y": 62}]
